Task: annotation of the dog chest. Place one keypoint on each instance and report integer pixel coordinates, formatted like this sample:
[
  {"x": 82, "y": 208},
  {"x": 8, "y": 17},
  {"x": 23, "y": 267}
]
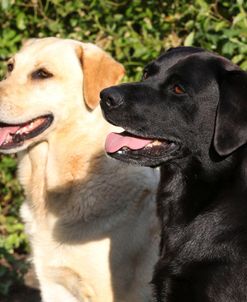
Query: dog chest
[{"x": 82, "y": 269}]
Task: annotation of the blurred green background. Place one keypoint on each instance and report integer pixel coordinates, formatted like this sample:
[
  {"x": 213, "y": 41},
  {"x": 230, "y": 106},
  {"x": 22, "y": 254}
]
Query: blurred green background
[{"x": 134, "y": 32}]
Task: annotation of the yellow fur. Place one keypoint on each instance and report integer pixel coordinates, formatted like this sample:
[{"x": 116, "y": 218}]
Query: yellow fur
[{"x": 91, "y": 220}]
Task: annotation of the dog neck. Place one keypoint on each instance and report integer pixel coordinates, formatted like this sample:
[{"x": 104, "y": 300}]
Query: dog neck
[
  {"x": 50, "y": 170},
  {"x": 184, "y": 194}
]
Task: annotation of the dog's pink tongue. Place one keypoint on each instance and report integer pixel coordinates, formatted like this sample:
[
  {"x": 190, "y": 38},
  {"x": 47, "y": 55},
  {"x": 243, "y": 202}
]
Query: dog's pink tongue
[
  {"x": 4, "y": 131},
  {"x": 115, "y": 141}
]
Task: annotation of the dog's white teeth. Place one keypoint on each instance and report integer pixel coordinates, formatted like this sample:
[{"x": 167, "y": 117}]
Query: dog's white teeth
[
  {"x": 7, "y": 139},
  {"x": 120, "y": 152},
  {"x": 156, "y": 143},
  {"x": 23, "y": 130}
]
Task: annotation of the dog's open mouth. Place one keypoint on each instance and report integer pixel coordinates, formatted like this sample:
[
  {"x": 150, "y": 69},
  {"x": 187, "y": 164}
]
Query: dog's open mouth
[
  {"x": 128, "y": 147},
  {"x": 14, "y": 135}
]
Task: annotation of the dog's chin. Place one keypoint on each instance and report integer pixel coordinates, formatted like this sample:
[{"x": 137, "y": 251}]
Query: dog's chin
[
  {"x": 153, "y": 154},
  {"x": 18, "y": 137}
]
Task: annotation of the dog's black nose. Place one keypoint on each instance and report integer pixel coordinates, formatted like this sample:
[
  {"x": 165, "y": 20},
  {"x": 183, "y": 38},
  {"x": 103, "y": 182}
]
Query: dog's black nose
[{"x": 111, "y": 97}]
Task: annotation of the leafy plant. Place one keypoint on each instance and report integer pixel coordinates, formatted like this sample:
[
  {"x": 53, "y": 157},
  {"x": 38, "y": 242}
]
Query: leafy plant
[
  {"x": 13, "y": 243},
  {"x": 134, "y": 32}
]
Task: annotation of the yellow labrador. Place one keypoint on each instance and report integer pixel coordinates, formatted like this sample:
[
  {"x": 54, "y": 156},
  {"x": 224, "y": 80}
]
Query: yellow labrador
[{"x": 90, "y": 219}]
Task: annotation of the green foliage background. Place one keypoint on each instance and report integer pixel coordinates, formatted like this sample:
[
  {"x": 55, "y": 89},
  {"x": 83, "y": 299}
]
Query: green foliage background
[{"x": 134, "y": 32}]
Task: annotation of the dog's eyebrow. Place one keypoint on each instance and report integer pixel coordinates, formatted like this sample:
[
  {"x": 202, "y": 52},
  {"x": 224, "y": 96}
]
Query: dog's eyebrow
[
  {"x": 11, "y": 60},
  {"x": 151, "y": 69}
]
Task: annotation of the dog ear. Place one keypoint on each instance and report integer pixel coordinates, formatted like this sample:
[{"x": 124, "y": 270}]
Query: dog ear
[
  {"x": 100, "y": 71},
  {"x": 231, "y": 119}
]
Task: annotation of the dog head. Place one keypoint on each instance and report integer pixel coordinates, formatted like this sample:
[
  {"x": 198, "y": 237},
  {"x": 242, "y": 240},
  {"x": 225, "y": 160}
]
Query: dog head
[
  {"x": 189, "y": 102},
  {"x": 48, "y": 84}
]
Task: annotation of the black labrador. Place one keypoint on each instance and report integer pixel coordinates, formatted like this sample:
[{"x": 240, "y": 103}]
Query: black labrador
[{"x": 188, "y": 115}]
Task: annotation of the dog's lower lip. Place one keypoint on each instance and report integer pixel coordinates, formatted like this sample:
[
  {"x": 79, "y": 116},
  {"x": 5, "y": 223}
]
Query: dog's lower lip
[{"x": 18, "y": 133}]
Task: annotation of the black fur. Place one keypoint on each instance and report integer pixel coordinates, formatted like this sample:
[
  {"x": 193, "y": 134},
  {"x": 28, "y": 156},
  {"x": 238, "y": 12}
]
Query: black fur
[{"x": 202, "y": 196}]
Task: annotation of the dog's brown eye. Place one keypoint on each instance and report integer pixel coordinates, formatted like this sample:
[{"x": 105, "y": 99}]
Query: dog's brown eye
[
  {"x": 178, "y": 89},
  {"x": 41, "y": 74},
  {"x": 10, "y": 67}
]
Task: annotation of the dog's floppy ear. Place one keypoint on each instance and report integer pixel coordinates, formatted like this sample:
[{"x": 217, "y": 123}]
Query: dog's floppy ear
[
  {"x": 100, "y": 70},
  {"x": 231, "y": 119}
]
